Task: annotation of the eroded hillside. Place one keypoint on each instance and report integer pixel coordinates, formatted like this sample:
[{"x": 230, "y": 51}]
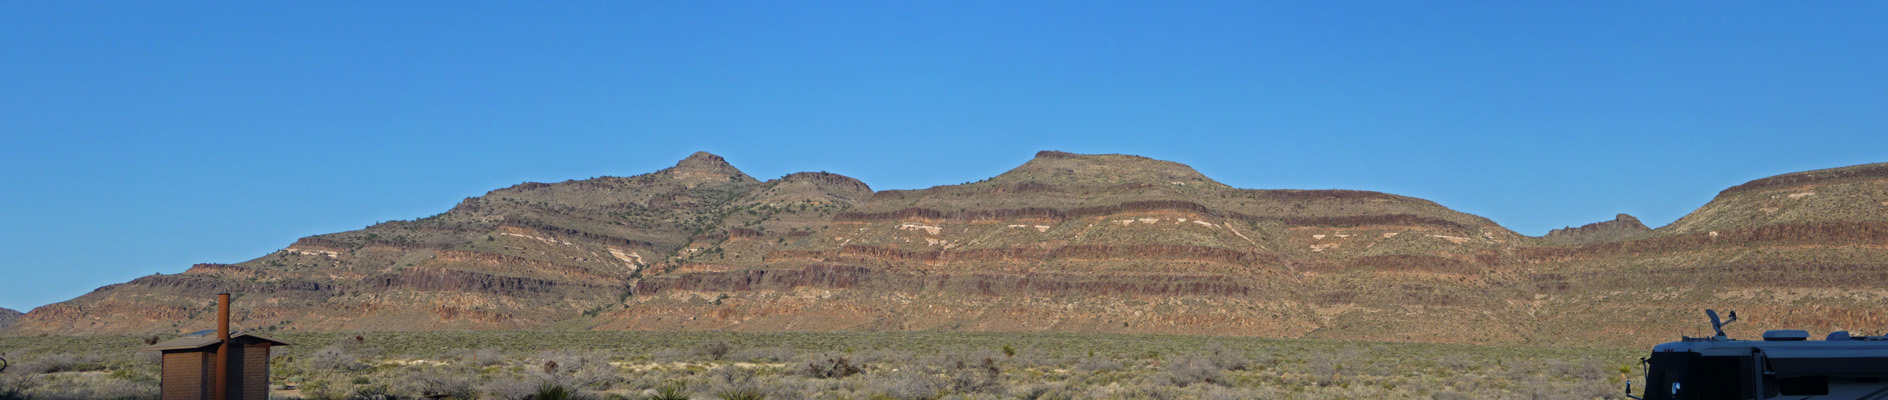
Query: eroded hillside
[{"x": 1064, "y": 242}]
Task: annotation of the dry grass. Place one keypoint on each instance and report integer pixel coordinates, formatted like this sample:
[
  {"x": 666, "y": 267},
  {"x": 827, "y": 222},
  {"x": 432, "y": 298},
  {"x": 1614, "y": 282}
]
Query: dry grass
[{"x": 785, "y": 366}]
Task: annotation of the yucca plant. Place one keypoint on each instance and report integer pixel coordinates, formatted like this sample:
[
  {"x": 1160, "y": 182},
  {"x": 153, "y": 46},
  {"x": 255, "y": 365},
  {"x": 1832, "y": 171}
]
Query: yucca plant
[
  {"x": 550, "y": 391},
  {"x": 670, "y": 392},
  {"x": 741, "y": 394}
]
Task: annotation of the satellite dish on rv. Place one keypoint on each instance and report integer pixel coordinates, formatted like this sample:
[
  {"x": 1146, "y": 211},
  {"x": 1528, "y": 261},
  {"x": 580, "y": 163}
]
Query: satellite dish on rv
[{"x": 1719, "y": 326}]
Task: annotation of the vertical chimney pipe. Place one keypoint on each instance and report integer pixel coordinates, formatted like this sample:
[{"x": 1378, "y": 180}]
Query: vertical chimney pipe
[{"x": 219, "y": 387}]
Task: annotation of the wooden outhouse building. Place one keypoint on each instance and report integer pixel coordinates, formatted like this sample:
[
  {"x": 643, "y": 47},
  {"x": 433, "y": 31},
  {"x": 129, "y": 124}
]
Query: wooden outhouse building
[{"x": 220, "y": 367}]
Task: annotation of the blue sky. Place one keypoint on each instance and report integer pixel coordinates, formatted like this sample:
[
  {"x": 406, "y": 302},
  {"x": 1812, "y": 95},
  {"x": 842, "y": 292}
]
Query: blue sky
[{"x": 142, "y": 137}]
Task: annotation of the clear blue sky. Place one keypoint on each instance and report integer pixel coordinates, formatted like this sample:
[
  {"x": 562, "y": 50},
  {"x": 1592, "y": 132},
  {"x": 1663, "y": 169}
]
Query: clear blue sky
[{"x": 142, "y": 137}]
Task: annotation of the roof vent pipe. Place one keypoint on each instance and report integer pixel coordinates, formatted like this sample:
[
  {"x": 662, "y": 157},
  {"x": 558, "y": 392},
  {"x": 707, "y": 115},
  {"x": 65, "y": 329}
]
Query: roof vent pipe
[{"x": 219, "y": 387}]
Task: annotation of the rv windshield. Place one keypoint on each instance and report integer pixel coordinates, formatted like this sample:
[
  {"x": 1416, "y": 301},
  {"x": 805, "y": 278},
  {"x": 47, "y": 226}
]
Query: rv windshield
[{"x": 1685, "y": 375}]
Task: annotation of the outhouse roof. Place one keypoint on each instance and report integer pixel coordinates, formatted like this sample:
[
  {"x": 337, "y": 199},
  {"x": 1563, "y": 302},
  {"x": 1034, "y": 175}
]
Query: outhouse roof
[{"x": 197, "y": 342}]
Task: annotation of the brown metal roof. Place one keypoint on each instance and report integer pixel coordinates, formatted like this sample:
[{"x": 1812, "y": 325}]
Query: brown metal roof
[{"x": 198, "y": 342}]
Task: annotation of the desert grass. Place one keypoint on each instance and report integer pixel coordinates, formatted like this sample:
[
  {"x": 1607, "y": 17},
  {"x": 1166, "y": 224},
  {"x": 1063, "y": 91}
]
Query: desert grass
[{"x": 859, "y": 365}]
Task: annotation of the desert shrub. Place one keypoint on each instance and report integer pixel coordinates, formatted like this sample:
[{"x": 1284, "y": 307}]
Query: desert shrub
[
  {"x": 1331, "y": 369},
  {"x": 92, "y": 387},
  {"x": 830, "y": 366},
  {"x": 1041, "y": 391},
  {"x": 672, "y": 355},
  {"x": 335, "y": 358},
  {"x": 322, "y": 389},
  {"x": 715, "y": 350},
  {"x": 764, "y": 355},
  {"x": 1449, "y": 395},
  {"x": 590, "y": 370},
  {"x": 731, "y": 382},
  {"x": 436, "y": 382},
  {"x": 61, "y": 362},
  {"x": 1193, "y": 369},
  {"x": 15, "y": 386},
  {"x": 1225, "y": 393},
  {"x": 882, "y": 356},
  {"x": 907, "y": 385},
  {"x": 511, "y": 388},
  {"x": 373, "y": 392},
  {"x": 1096, "y": 364},
  {"x": 1224, "y": 359},
  {"x": 964, "y": 376},
  {"x": 487, "y": 357}
]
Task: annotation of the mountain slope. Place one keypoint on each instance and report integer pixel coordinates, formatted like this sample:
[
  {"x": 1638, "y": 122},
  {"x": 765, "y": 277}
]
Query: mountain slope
[
  {"x": 1131, "y": 244},
  {"x": 1806, "y": 250},
  {"x": 7, "y": 317},
  {"x": 1064, "y": 242},
  {"x": 530, "y": 255}
]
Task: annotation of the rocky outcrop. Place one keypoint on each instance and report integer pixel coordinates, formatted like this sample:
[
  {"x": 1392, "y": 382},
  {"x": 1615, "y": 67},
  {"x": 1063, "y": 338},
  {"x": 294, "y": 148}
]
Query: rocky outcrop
[
  {"x": 1620, "y": 228},
  {"x": 430, "y": 279},
  {"x": 827, "y": 276},
  {"x": 1146, "y": 206}
]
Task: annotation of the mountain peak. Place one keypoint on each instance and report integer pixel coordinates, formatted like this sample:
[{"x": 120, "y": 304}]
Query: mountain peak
[
  {"x": 1052, "y": 166},
  {"x": 703, "y": 159},
  {"x": 704, "y": 166}
]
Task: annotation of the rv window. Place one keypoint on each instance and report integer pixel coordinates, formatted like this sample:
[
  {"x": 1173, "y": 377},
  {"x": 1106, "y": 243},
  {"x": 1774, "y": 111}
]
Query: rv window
[
  {"x": 1717, "y": 378},
  {"x": 1804, "y": 385}
]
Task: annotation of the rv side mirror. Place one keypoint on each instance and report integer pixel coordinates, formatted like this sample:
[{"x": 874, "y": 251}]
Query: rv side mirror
[{"x": 1629, "y": 391}]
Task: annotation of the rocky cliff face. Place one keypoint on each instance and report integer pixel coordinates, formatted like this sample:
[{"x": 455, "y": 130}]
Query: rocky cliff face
[{"x": 1064, "y": 242}]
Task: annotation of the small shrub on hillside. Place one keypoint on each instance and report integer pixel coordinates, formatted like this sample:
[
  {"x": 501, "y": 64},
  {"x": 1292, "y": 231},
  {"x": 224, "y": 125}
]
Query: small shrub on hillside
[
  {"x": 487, "y": 357},
  {"x": 1223, "y": 358},
  {"x": 335, "y": 358},
  {"x": 376, "y": 392},
  {"x": 437, "y": 382},
  {"x": 975, "y": 376},
  {"x": 830, "y": 366},
  {"x": 1192, "y": 370},
  {"x": 907, "y": 385},
  {"x": 715, "y": 350}
]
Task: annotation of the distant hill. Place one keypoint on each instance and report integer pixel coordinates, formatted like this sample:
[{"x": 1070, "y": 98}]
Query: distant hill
[
  {"x": 7, "y": 317},
  {"x": 1065, "y": 242}
]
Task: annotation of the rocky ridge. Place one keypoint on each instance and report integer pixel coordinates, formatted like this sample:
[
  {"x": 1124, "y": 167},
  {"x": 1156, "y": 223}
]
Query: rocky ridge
[
  {"x": 1622, "y": 227},
  {"x": 1065, "y": 242}
]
